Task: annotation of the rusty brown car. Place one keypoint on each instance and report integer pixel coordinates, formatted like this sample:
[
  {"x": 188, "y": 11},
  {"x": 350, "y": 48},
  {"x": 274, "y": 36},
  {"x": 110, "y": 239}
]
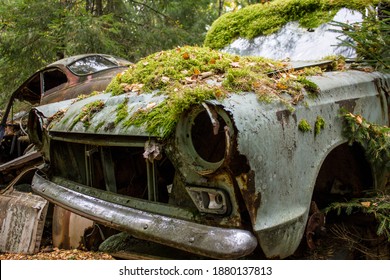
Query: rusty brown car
[{"x": 64, "y": 79}]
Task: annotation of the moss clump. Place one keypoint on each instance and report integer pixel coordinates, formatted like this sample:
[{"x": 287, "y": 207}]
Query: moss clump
[
  {"x": 267, "y": 18},
  {"x": 304, "y": 126},
  {"x": 191, "y": 75},
  {"x": 162, "y": 119},
  {"x": 338, "y": 62},
  {"x": 319, "y": 125},
  {"x": 122, "y": 111},
  {"x": 188, "y": 67},
  {"x": 83, "y": 96},
  {"x": 100, "y": 125},
  {"x": 308, "y": 85},
  {"x": 87, "y": 113}
]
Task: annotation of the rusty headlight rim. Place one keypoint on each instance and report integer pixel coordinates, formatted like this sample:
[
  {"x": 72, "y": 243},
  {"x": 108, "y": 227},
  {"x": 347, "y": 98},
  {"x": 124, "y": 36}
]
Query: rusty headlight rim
[{"x": 185, "y": 137}]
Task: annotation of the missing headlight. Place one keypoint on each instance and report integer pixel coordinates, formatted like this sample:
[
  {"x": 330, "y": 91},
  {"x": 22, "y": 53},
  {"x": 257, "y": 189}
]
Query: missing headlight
[{"x": 204, "y": 138}]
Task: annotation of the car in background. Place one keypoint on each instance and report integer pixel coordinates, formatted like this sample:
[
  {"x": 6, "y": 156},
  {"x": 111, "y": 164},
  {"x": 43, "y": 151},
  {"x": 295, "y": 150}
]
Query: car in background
[{"x": 64, "y": 79}]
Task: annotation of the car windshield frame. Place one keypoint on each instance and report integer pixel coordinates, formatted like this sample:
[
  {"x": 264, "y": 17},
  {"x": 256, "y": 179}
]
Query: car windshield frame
[{"x": 91, "y": 64}]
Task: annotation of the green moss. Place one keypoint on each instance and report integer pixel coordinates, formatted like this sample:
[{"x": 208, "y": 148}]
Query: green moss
[
  {"x": 319, "y": 125},
  {"x": 267, "y": 18},
  {"x": 100, "y": 125},
  {"x": 338, "y": 62},
  {"x": 304, "y": 126},
  {"x": 122, "y": 111},
  {"x": 191, "y": 75},
  {"x": 83, "y": 96},
  {"x": 87, "y": 113},
  {"x": 162, "y": 119},
  {"x": 309, "y": 86}
]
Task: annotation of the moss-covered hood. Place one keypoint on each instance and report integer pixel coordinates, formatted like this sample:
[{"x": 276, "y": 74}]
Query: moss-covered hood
[{"x": 264, "y": 19}]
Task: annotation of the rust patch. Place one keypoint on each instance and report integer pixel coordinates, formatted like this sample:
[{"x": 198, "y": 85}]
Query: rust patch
[
  {"x": 251, "y": 198},
  {"x": 349, "y": 105},
  {"x": 315, "y": 226}
]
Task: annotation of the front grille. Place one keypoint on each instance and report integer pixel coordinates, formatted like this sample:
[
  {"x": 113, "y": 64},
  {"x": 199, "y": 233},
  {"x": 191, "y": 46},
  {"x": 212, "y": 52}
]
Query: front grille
[{"x": 122, "y": 170}]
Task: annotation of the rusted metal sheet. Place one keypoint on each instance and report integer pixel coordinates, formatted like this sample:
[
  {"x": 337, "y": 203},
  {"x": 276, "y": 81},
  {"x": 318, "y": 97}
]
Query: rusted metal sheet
[
  {"x": 189, "y": 236},
  {"x": 22, "y": 220},
  {"x": 68, "y": 229},
  {"x": 22, "y": 161}
]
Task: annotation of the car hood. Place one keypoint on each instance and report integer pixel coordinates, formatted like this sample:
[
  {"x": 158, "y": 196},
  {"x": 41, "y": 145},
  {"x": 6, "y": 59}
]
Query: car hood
[{"x": 98, "y": 114}]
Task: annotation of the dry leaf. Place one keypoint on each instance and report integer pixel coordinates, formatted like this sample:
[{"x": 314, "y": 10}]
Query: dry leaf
[
  {"x": 151, "y": 105},
  {"x": 186, "y": 56},
  {"x": 165, "y": 79},
  {"x": 281, "y": 86},
  {"x": 366, "y": 203},
  {"x": 235, "y": 65},
  {"x": 205, "y": 75}
]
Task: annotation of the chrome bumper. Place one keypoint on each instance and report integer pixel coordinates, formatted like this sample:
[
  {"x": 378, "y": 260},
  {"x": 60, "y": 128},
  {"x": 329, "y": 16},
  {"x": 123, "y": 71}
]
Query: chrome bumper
[{"x": 214, "y": 242}]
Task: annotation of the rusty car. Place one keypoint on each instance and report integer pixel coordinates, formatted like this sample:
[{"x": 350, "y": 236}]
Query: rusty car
[
  {"x": 213, "y": 154},
  {"x": 236, "y": 174},
  {"x": 64, "y": 79}
]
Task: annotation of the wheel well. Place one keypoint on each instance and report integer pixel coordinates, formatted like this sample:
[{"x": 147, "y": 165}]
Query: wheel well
[{"x": 344, "y": 174}]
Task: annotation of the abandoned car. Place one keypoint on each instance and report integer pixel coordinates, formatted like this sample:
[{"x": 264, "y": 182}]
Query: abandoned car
[
  {"x": 61, "y": 80},
  {"x": 213, "y": 154}
]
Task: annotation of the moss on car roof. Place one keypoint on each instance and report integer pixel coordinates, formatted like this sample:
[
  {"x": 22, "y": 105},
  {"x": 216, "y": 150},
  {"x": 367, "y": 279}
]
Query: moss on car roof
[
  {"x": 267, "y": 18},
  {"x": 191, "y": 75}
]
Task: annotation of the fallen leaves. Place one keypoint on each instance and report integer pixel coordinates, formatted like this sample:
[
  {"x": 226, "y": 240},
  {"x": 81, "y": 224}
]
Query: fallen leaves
[{"x": 59, "y": 254}]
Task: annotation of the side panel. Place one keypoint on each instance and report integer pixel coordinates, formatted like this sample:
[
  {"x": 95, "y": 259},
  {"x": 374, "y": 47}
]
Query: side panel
[{"x": 285, "y": 161}]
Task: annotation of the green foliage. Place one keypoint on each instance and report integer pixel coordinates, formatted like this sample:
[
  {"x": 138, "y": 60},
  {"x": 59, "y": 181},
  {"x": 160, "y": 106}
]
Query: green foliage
[
  {"x": 378, "y": 206},
  {"x": 304, "y": 126},
  {"x": 34, "y": 33},
  {"x": 370, "y": 39},
  {"x": 191, "y": 75},
  {"x": 263, "y": 19},
  {"x": 375, "y": 139}
]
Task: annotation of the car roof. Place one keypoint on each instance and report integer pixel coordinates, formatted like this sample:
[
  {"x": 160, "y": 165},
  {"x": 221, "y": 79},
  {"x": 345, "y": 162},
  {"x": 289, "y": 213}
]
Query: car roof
[{"x": 69, "y": 60}]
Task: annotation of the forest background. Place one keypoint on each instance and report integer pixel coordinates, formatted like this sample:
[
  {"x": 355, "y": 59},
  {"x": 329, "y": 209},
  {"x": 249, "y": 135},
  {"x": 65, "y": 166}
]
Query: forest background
[{"x": 34, "y": 33}]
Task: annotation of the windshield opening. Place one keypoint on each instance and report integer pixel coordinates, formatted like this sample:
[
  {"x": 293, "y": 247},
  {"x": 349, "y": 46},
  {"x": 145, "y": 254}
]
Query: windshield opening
[{"x": 90, "y": 64}]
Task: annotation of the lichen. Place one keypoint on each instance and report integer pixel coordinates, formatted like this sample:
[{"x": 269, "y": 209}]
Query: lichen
[
  {"x": 267, "y": 18},
  {"x": 304, "y": 126},
  {"x": 319, "y": 125},
  {"x": 191, "y": 75}
]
